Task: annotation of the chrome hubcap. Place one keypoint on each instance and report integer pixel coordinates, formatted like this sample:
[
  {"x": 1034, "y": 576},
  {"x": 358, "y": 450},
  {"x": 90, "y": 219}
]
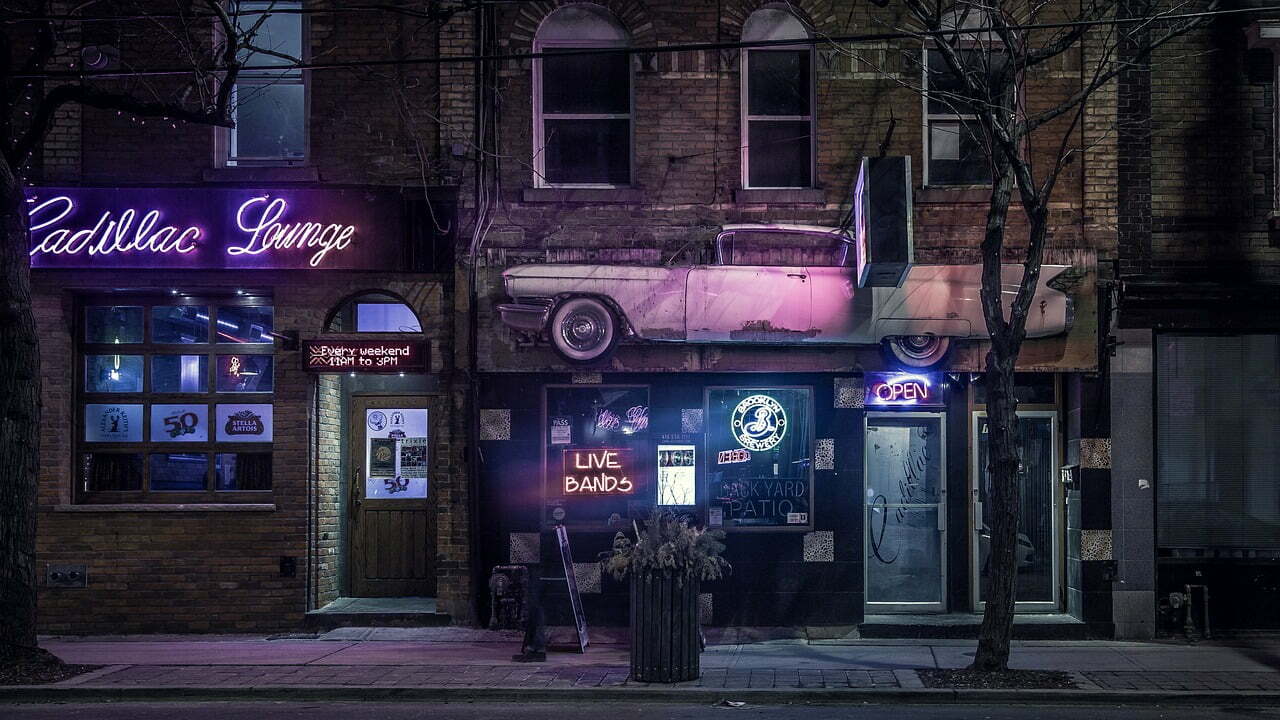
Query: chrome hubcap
[
  {"x": 582, "y": 330},
  {"x": 918, "y": 346}
]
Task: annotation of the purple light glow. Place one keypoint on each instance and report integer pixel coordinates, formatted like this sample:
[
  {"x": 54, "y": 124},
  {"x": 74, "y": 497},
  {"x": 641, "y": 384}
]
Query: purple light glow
[
  {"x": 108, "y": 235},
  {"x": 901, "y": 389}
]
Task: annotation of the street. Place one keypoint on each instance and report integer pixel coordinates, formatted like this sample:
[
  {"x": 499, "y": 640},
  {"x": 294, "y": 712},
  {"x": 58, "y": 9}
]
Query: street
[{"x": 614, "y": 711}]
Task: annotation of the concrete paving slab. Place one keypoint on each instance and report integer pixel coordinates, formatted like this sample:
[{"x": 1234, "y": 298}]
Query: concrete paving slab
[
  {"x": 253, "y": 652},
  {"x": 1200, "y": 658},
  {"x": 1043, "y": 658},
  {"x": 881, "y": 657},
  {"x": 462, "y": 654}
]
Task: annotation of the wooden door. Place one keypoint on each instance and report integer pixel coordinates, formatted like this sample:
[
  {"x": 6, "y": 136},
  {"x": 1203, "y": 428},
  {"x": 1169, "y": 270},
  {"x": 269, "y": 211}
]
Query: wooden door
[{"x": 392, "y": 530}]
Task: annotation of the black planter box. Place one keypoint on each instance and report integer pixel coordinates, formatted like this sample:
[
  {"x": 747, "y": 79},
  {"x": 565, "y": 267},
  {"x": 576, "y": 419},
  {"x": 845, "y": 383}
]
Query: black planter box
[{"x": 665, "y": 643}]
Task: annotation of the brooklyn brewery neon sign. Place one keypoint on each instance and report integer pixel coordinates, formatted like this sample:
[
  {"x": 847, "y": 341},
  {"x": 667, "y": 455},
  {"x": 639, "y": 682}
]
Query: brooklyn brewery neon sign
[{"x": 208, "y": 228}]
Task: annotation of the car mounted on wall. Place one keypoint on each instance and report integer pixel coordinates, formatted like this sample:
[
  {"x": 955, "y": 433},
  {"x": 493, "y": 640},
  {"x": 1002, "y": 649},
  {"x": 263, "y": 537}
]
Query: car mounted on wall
[{"x": 744, "y": 297}]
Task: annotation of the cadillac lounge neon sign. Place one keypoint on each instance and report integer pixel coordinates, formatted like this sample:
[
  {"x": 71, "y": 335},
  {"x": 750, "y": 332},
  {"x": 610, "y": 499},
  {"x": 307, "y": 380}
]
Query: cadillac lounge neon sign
[{"x": 213, "y": 228}]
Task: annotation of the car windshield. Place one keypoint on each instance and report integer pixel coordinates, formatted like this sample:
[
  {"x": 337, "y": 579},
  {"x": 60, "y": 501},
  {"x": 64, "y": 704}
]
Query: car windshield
[{"x": 785, "y": 248}]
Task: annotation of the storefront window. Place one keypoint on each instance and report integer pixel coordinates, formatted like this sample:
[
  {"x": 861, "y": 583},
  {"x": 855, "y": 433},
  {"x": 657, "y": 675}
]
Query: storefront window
[
  {"x": 152, "y": 420},
  {"x": 758, "y": 457},
  {"x": 598, "y": 451}
]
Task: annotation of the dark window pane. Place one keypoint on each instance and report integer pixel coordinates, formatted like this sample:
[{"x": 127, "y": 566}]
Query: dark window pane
[
  {"x": 386, "y": 317},
  {"x": 1028, "y": 387},
  {"x": 245, "y": 373},
  {"x": 591, "y": 84},
  {"x": 180, "y": 324},
  {"x": 243, "y": 471},
  {"x": 779, "y": 153},
  {"x": 588, "y": 151},
  {"x": 956, "y": 154},
  {"x": 778, "y": 82},
  {"x": 270, "y": 121},
  {"x": 942, "y": 80},
  {"x": 179, "y": 471},
  {"x": 113, "y": 324},
  {"x": 246, "y": 324},
  {"x": 113, "y": 373},
  {"x": 278, "y": 32},
  {"x": 111, "y": 472},
  {"x": 180, "y": 373}
]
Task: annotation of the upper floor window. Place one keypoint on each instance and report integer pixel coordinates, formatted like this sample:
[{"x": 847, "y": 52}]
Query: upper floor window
[
  {"x": 582, "y": 102},
  {"x": 777, "y": 103},
  {"x": 269, "y": 105},
  {"x": 954, "y": 148}
]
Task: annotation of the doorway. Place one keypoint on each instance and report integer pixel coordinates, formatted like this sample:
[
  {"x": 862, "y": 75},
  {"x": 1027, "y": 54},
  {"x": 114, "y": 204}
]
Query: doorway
[
  {"x": 905, "y": 523},
  {"x": 391, "y": 537},
  {"x": 1038, "y": 543}
]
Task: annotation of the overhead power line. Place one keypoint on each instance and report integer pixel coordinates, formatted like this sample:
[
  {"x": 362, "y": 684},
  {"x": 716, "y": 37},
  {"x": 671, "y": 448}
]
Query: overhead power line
[{"x": 646, "y": 50}]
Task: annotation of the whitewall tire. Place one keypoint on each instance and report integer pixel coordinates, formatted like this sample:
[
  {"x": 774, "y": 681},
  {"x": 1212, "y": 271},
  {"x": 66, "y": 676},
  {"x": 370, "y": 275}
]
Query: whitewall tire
[
  {"x": 583, "y": 330},
  {"x": 919, "y": 351}
]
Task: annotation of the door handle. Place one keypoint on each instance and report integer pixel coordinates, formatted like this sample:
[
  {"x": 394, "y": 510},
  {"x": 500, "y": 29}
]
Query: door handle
[
  {"x": 797, "y": 275},
  {"x": 355, "y": 491}
]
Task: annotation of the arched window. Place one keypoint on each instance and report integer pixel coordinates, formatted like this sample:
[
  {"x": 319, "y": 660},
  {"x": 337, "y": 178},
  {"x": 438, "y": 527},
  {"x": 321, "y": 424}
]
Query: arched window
[
  {"x": 373, "y": 312},
  {"x": 777, "y": 103},
  {"x": 582, "y": 103},
  {"x": 954, "y": 149}
]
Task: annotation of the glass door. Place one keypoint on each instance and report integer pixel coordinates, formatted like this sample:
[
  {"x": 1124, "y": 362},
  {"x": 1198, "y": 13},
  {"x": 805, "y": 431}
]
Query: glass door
[
  {"x": 905, "y": 523},
  {"x": 1036, "y": 588}
]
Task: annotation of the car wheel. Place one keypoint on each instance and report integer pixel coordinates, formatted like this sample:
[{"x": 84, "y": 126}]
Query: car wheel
[
  {"x": 920, "y": 351},
  {"x": 583, "y": 330}
]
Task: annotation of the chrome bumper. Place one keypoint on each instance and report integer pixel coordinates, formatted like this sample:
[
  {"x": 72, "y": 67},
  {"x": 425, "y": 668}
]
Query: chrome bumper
[{"x": 528, "y": 316}]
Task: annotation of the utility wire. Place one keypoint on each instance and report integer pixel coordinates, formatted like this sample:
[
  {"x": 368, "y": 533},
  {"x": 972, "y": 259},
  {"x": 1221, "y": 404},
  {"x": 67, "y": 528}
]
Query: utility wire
[{"x": 644, "y": 50}]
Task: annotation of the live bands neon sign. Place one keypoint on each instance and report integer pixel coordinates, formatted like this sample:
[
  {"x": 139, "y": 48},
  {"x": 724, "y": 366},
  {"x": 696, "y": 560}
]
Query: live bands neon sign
[
  {"x": 903, "y": 389},
  {"x": 598, "y": 471},
  {"x": 213, "y": 228}
]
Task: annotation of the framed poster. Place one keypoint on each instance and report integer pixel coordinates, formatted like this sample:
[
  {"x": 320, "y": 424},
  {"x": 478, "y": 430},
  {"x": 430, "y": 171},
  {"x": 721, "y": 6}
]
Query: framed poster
[
  {"x": 244, "y": 423},
  {"x": 397, "y": 456},
  {"x": 759, "y": 456},
  {"x": 112, "y": 423},
  {"x": 677, "y": 475},
  {"x": 187, "y": 422}
]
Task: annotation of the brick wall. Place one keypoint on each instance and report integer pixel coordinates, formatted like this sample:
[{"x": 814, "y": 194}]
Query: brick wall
[{"x": 1201, "y": 183}]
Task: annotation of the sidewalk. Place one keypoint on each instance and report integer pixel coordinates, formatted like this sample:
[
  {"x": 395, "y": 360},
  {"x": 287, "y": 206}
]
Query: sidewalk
[{"x": 460, "y": 663}]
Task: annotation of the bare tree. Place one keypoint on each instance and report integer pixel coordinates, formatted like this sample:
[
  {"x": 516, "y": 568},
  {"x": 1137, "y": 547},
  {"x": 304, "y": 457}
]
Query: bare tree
[
  {"x": 990, "y": 57},
  {"x": 42, "y": 69}
]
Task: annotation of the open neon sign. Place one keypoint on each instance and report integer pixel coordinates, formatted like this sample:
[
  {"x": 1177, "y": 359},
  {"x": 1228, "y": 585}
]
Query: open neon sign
[
  {"x": 215, "y": 228},
  {"x": 903, "y": 389}
]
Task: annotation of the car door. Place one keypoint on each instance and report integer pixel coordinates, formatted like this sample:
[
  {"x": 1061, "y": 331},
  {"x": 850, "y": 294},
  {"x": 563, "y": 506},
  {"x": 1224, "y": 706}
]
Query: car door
[
  {"x": 841, "y": 312},
  {"x": 748, "y": 304}
]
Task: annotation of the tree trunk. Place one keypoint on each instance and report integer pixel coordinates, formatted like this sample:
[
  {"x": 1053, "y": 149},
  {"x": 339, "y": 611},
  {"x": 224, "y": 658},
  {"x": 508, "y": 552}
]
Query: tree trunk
[
  {"x": 19, "y": 423},
  {"x": 1002, "y": 454}
]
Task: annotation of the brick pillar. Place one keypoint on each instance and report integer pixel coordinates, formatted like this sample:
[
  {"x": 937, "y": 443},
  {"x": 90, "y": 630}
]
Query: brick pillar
[{"x": 1133, "y": 132}]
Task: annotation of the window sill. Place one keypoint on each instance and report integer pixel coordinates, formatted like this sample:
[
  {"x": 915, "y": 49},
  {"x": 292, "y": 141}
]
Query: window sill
[
  {"x": 964, "y": 194},
  {"x": 583, "y": 195},
  {"x": 158, "y": 507},
  {"x": 252, "y": 174},
  {"x": 780, "y": 196}
]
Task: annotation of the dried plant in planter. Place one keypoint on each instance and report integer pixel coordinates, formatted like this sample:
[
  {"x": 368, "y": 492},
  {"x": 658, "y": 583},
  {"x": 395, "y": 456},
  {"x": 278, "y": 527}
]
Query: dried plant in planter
[{"x": 668, "y": 544}]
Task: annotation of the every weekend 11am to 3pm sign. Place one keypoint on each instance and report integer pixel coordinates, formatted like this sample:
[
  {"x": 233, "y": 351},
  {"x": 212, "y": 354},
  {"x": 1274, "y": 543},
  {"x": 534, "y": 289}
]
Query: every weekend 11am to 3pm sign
[
  {"x": 216, "y": 228},
  {"x": 366, "y": 356}
]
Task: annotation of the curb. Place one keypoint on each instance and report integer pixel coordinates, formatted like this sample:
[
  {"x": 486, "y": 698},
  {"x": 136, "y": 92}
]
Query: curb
[{"x": 46, "y": 694}]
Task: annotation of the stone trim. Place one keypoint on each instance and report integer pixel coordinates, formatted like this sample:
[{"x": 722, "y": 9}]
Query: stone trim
[{"x": 582, "y": 195}]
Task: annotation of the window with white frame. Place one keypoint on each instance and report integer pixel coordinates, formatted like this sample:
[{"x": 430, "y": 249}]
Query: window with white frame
[
  {"x": 777, "y": 103},
  {"x": 270, "y": 104},
  {"x": 582, "y": 101},
  {"x": 954, "y": 149}
]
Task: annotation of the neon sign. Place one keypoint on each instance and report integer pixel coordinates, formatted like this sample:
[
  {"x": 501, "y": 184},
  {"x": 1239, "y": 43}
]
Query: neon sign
[
  {"x": 267, "y": 232},
  {"x": 216, "y": 228},
  {"x": 730, "y": 457},
  {"x": 903, "y": 389},
  {"x": 109, "y": 234},
  {"x": 758, "y": 423},
  {"x": 597, "y": 471}
]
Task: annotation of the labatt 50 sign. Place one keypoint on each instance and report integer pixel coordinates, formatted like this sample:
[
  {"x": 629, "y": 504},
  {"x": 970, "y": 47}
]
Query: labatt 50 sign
[{"x": 213, "y": 228}]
